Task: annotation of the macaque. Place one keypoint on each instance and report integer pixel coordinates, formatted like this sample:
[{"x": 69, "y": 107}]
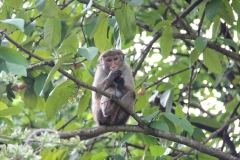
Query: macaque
[{"x": 114, "y": 76}]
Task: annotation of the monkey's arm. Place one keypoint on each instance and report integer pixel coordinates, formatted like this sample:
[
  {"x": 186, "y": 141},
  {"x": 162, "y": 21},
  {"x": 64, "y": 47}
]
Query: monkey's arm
[{"x": 103, "y": 81}]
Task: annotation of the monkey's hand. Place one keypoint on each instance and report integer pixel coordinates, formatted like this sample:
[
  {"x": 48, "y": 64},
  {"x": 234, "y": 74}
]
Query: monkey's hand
[
  {"x": 115, "y": 74},
  {"x": 120, "y": 81}
]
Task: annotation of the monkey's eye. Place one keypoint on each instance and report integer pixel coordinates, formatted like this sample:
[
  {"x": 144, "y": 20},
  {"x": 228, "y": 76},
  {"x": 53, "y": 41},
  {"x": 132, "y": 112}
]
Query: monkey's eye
[
  {"x": 115, "y": 59},
  {"x": 109, "y": 60}
]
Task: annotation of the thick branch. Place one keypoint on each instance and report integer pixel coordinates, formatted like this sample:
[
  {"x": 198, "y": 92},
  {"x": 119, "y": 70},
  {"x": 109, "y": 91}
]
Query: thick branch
[
  {"x": 93, "y": 132},
  {"x": 210, "y": 44}
]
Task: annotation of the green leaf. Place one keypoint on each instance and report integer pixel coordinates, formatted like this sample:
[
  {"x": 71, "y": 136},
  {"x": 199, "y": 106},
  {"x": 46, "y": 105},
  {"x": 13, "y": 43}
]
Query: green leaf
[
  {"x": 211, "y": 60},
  {"x": 15, "y": 21},
  {"x": 125, "y": 138},
  {"x": 13, "y": 56},
  {"x": 118, "y": 13},
  {"x": 135, "y": 3},
  {"x": 9, "y": 111},
  {"x": 40, "y": 4},
  {"x": 204, "y": 156},
  {"x": 30, "y": 27},
  {"x": 194, "y": 56},
  {"x": 211, "y": 122},
  {"x": 212, "y": 9},
  {"x": 128, "y": 23},
  {"x": 86, "y": 156},
  {"x": 157, "y": 150},
  {"x": 226, "y": 12},
  {"x": 69, "y": 45},
  {"x": 238, "y": 25},
  {"x": 150, "y": 117},
  {"x": 230, "y": 42},
  {"x": 231, "y": 105},
  {"x": 52, "y": 32},
  {"x": 30, "y": 98},
  {"x": 101, "y": 17},
  {"x": 179, "y": 110},
  {"x": 50, "y": 9},
  {"x": 236, "y": 7},
  {"x": 84, "y": 101},
  {"x": 200, "y": 44},
  {"x": 182, "y": 122},
  {"x": 159, "y": 125},
  {"x": 100, "y": 32},
  {"x": 149, "y": 140},
  {"x": 160, "y": 25},
  {"x": 141, "y": 103},
  {"x": 41, "y": 103},
  {"x": 16, "y": 69},
  {"x": 74, "y": 21},
  {"x": 58, "y": 97},
  {"x": 99, "y": 156},
  {"x": 90, "y": 24},
  {"x": 88, "y": 53},
  {"x": 58, "y": 64},
  {"x": 166, "y": 41},
  {"x": 117, "y": 157},
  {"x": 39, "y": 83},
  {"x": 198, "y": 135},
  {"x": 170, "y": 124},
  {"x": 7, "y": 121},
  {"x": 215, "y": 28}
]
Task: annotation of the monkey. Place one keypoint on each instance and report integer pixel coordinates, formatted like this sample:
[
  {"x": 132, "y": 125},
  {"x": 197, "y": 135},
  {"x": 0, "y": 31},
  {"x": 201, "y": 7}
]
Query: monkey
[{"x": 113, "y": 75}]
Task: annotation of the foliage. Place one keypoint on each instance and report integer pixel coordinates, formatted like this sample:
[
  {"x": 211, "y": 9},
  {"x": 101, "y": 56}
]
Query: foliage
[{"x": 185, "y": 60}]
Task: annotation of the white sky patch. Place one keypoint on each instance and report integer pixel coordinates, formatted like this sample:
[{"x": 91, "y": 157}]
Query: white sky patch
[
  {"x": 194, "y": 26},
  {"x": 174, "y": 51},
  {"x": 184, "y": 47},
  {"x": 169, "y": 59},
  {"x": 206, "y": 91},
  {"x": 204, "y": 81},
  {"x": 165, "y": 80},
  {"x": 140, "y": 73},
  {"x": 155, "y": 58},
  {"x": 213, "y": 104},
  {"x": 208, "y": 33},
  {"x": 196, "y": 21},
  {"x": 199, "y": 96},
  {"x": 216, "y": 93},
  {"x": 183, "y": 31},
  {"x": 200, "y": 57},
  {"x": 147, "y": 69},
  {"x": 196, "y": 111},
  {"x": 180, "y": 86}
]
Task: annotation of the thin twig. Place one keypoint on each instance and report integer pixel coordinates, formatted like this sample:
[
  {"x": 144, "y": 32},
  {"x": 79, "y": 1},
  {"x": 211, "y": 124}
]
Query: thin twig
[
  {"x": 70, "y": 120},
  {"x": 157, "y": 82}
]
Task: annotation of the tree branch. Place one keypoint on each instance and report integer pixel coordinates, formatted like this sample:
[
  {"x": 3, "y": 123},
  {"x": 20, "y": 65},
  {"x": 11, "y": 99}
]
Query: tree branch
[
  {"x": 214, "y": 134},
  {"x": 96, "y": 131}
]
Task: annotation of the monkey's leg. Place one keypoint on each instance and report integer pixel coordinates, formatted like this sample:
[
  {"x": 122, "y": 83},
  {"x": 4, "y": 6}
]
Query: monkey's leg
[
  {"x": 129, "y": 100},
  {"x": 102, "y": 120},
  {"x": 114, "y": 113}
]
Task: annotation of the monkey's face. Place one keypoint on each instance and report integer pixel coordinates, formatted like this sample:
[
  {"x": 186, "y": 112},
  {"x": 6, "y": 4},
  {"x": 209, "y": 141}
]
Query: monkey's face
[{"x": 113, "y": 62}]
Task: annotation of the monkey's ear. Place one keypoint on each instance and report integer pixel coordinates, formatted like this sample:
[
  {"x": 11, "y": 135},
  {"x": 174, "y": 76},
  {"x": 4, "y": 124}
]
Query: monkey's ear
[
  {"x": 124, "y": 56},
  {"x": 101, "y": 60}
]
